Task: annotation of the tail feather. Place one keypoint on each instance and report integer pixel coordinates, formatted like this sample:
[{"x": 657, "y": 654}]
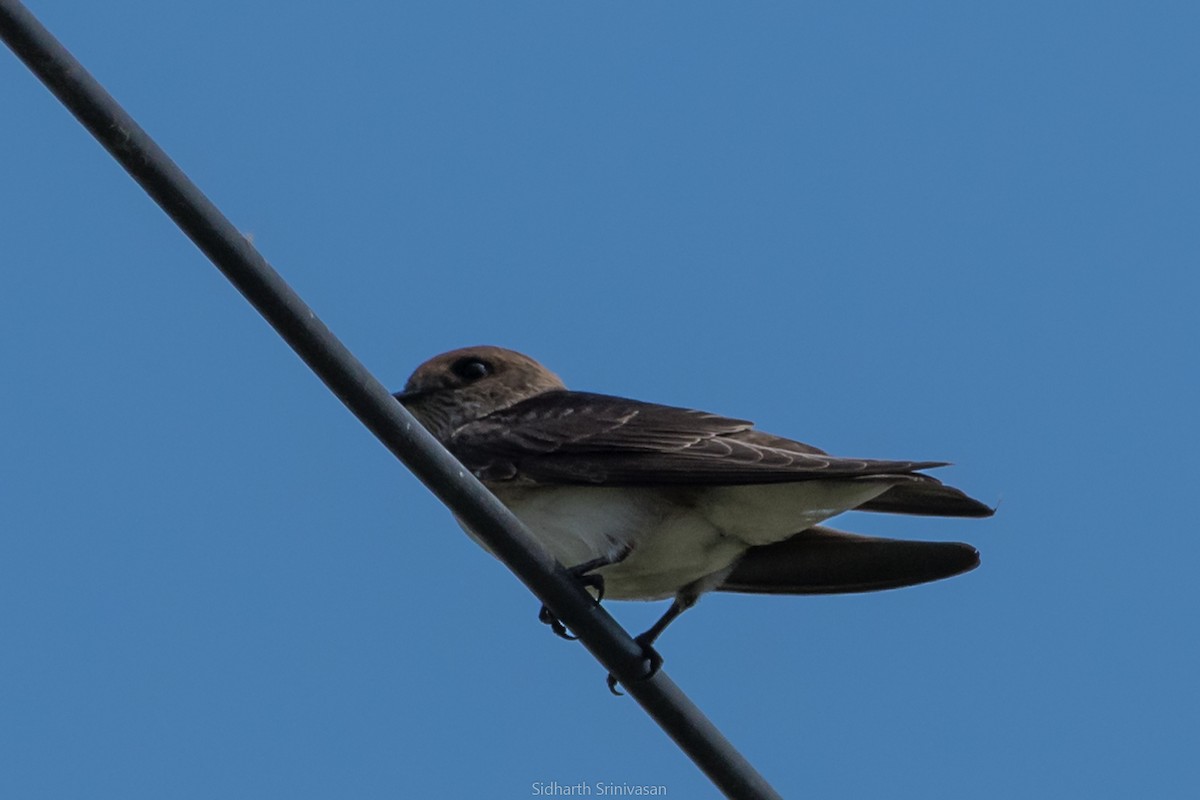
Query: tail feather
[{"x": 825, "y": 561}]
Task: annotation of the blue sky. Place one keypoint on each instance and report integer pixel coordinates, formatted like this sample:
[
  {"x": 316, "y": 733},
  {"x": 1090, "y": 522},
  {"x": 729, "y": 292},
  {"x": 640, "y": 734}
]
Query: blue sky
[{"x": 944, "y": 232}]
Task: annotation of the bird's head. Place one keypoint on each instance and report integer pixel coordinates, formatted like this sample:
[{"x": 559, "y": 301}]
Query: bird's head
[{"x": 450, "y": 390}]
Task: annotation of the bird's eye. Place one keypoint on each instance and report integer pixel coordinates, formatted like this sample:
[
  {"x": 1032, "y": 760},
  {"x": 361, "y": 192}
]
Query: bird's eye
[{"x": 471, "y": 369}]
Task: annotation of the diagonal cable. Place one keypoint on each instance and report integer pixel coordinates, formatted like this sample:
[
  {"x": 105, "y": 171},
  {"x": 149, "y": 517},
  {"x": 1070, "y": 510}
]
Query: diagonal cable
[{"x": 368, "y": 400}]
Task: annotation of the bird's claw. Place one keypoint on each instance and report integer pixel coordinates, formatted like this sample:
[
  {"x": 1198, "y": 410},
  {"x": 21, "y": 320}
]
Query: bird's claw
[
  {"x": 590, "y": 580},
  {"x": 650, "y": 655},
  {"x": 547, "y": 616},
  {"x": 593, "y": 581}
]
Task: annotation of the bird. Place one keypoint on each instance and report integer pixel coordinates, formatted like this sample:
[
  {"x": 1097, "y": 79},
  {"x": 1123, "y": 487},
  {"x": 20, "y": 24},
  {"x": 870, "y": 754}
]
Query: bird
[{"x": 643, "y": 501}]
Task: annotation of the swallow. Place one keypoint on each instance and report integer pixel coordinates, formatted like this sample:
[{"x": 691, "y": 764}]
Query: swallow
[{"x": 647, "y": 502}]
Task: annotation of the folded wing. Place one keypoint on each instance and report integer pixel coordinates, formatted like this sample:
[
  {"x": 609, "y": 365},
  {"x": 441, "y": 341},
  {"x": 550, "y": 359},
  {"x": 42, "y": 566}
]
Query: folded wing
[{"x": 583, "y": 438}]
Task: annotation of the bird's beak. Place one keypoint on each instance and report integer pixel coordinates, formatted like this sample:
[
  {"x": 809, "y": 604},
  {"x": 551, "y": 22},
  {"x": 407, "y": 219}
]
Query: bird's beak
[{"x": 406, "y": 397}]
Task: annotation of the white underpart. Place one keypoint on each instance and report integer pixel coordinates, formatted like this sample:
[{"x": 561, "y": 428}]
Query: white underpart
[{"x": 676, "y": 536}]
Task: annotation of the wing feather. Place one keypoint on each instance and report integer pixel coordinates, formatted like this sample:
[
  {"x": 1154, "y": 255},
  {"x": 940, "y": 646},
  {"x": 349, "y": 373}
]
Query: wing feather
[{"x": 584, "y": 438}]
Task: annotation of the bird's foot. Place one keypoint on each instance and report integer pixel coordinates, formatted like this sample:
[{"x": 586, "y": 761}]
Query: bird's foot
[
  {"x": 649, "y": 654},
  {"x": 589, "y": 579},
  {"x": 595, "y": 582},
  {"x": 546, "y": 616}
]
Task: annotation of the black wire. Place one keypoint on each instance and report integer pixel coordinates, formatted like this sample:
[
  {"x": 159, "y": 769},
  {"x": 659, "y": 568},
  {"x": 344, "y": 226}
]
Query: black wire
[{"x": 205, "y": 225}]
